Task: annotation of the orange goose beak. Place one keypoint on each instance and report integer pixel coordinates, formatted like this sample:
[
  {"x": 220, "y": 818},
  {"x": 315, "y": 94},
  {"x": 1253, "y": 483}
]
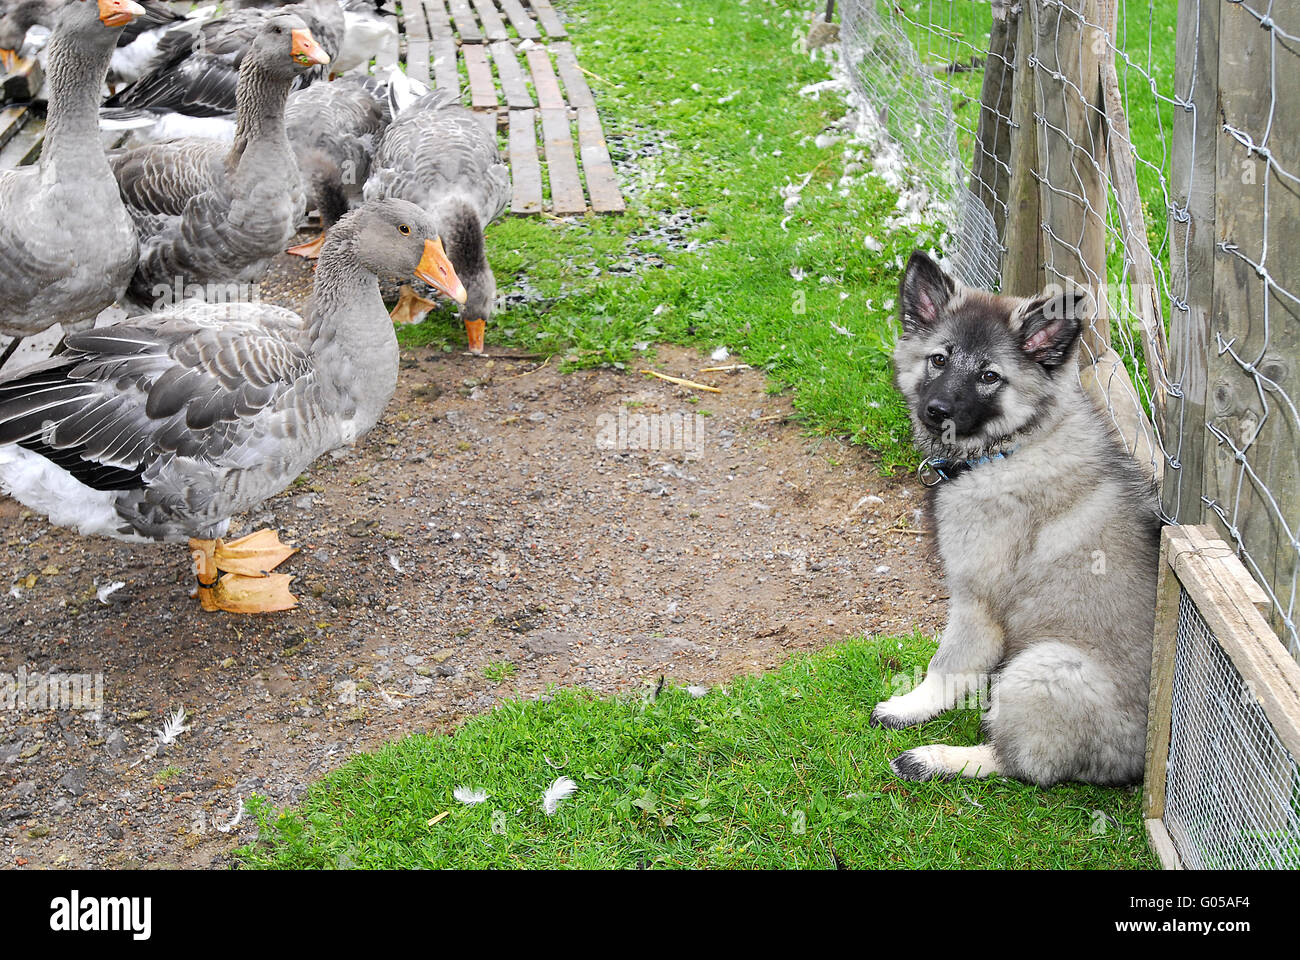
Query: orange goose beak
[
  {"x": 306, "y": 50},
  {"x": 118, "y": 13},
  {"x": 436, "y": 270}
]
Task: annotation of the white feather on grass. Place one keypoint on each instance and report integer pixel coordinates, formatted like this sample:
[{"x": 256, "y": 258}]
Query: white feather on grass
[
  {"x": 557, "y": 791},
  {"x": 467, "y": 796}
]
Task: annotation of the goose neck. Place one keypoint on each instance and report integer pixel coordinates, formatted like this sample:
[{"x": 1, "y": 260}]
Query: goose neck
[
  {"x": 259, "y": 109},
  {"x": 76, "y": 71}
]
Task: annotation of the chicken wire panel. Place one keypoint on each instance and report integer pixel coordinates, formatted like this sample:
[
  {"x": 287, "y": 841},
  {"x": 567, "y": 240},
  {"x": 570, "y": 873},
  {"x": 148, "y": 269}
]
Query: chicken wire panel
[
  {"x": 918, "y": 68},
  {"x": 1232, "y": 792}
]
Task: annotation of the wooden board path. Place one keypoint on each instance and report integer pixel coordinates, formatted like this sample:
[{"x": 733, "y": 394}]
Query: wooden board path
[{"x": 542, "y": 102}]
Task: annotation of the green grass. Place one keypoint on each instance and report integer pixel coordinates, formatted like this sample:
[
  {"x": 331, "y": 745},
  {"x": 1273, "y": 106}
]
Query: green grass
[
  {"x": 643, "y": 58},
  {"x": 776, "y": 771}
]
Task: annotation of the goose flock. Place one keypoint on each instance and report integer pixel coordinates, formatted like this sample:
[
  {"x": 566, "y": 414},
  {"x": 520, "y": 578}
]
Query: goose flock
[{"x": 198, "y": 405}]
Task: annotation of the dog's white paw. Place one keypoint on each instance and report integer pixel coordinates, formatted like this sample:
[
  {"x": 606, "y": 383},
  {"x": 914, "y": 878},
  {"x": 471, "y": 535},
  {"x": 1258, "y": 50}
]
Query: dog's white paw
[
  {"x": 939, "y": 761},
  {"x": 904, "y": 711},
  {"x": 919, "y": 763}
]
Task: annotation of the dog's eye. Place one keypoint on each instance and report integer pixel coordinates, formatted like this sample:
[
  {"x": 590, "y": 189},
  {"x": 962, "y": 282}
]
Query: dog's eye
[
  {"x": 988, "y": 376},
  {"x": 938, "y": 360}
]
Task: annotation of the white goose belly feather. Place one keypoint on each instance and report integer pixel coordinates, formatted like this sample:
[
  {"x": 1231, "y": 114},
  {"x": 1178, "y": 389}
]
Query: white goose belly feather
[{"x": 162, "y": 426}]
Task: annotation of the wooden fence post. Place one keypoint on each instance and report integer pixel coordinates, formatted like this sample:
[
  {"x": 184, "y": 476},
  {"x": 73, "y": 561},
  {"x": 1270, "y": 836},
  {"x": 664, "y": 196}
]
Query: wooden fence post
[
  {"x": 1068, "y": 44},
  {"x": 1256, "y": 258},
  {"x": 1022, "y": 258},
  {"x": 1191, "y": 255}
]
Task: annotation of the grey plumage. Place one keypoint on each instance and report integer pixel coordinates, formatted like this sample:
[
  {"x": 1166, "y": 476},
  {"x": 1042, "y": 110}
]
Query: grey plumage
[
  {"x": 170, "y": 422},
  {"x": 438, "y": 156},
  {"x": 195, "y": 70},
  {"x": 1049, "y": 550},
  {"x": 334, "y": 129},
  {"x": 208, "y": 213},
  {"x": 67, "y": 246}
]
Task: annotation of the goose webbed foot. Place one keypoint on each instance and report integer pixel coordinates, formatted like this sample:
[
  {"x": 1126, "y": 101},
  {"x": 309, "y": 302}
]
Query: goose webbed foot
[
  {"x": 311, "y": 249},
  {"x": 411, "y": 307},
  {"x": 234, "y": 576}
]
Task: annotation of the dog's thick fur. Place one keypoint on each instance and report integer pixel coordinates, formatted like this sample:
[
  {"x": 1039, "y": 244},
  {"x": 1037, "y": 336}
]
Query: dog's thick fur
[{"x": 1049, "y": 552}]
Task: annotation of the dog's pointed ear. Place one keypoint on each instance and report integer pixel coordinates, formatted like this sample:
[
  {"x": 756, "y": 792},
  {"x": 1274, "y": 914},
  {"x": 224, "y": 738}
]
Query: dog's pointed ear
[
  {"x": 1050, "y": 324},
  {"x": 924, "y": 292}
]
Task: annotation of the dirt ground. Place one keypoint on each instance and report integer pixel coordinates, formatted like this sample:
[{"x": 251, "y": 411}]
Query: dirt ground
[{"x": 480, "y": 544}]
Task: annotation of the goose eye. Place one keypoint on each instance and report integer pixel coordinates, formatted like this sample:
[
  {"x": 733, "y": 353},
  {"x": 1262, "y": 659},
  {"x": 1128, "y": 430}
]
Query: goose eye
[
  {"x": 404, "y": 230},
  {"x": 988, "y": 376},
  {"x": 938, "y": 361}
]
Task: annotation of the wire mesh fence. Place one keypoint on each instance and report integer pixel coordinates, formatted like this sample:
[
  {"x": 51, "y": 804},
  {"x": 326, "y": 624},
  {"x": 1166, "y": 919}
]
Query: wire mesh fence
[
  {"x": 1078, "y": 142},
  {"x": 1243, "y": 815}
]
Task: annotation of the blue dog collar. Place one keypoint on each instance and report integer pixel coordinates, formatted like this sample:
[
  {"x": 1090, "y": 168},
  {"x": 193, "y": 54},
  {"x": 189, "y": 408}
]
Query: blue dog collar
[{"x": 935, "y": 470}]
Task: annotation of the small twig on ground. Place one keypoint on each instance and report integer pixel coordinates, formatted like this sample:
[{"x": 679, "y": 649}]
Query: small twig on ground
[
  {"x": 726, "y": 368},
  {"x": 516, "y": 376},
  {"x": 682, "y": 382}
]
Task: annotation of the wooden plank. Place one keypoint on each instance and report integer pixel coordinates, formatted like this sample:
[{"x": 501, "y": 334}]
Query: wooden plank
[
  {"x": 602, "y": 185},
  {"x": 1022, "y": 261},
  {"x": 1191, "y": 255},
  {"x": 576, "y": 90},
  {"x": 1162, "y": 845},
  {"x": 494, "y": 28},
  {"x": 1071, "y": 154},
  {"x": 545, "y": 84},
  {"x": 1160, "y": 703},
  {"x": 1133, "y": 231},
  {"x": 466, "y": 25},
  {"x": 414, "y": 22},
  {"x": 512, "y": 77},
  {"x": 24, "y": 146},
  {"x": 548, "y": 18},
  {"x": 417, "y": 60},
  {"x": 525, "y": 171},
  {"x": 482, "y": 93},
  {"x": 435, "y": 16},
  {"x": 12, "y": 119},
  {"x": 387, "y": 56},
  {"x": 446, "y": 76},
  {"x": 524, "y": 24},
  {"x": 1256, "y": 265},
  {"x": 23, "y": 82},
  {"x": 1216, "y": 582},
  {"x": 561, "y": 164}
]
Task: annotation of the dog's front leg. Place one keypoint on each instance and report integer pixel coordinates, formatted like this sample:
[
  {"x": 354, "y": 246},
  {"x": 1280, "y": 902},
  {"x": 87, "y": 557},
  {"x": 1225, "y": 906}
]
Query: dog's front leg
[{"x": 970, "y": 648}]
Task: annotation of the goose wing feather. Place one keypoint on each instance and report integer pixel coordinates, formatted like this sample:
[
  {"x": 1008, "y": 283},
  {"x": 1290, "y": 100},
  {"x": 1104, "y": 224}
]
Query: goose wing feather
[
  {"x": 438, "y": 149},
  {"x": 194, "y": 382},
  {"x": 161, "y": 178}
]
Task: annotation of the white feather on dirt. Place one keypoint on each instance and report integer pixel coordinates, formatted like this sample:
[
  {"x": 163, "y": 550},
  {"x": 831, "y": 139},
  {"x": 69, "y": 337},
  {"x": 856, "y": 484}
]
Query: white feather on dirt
[
  {"x": 468, "y": 796},
  {"x": 557, "y": 791},
  {"x": 173, "y": 727},
  {"x": 696, "y": 690}
]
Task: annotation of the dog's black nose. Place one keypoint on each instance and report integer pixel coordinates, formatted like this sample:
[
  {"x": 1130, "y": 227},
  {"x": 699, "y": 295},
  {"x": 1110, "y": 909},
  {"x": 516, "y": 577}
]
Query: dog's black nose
[{"x": 937, "y": 411}]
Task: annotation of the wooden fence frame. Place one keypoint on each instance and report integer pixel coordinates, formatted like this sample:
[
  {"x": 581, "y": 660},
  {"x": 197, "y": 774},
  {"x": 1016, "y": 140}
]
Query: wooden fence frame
[{"x": 1233, "y": 605}]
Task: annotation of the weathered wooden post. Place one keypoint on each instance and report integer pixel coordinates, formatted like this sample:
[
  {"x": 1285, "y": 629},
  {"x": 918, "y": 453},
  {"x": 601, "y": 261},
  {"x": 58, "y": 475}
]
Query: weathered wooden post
[
  {"x": 1069, "y": 39},
  {"x": 1022, "y": 257},
  {"x": 1252, "y": 472},
  {"x": 1191, "y": 255}
]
